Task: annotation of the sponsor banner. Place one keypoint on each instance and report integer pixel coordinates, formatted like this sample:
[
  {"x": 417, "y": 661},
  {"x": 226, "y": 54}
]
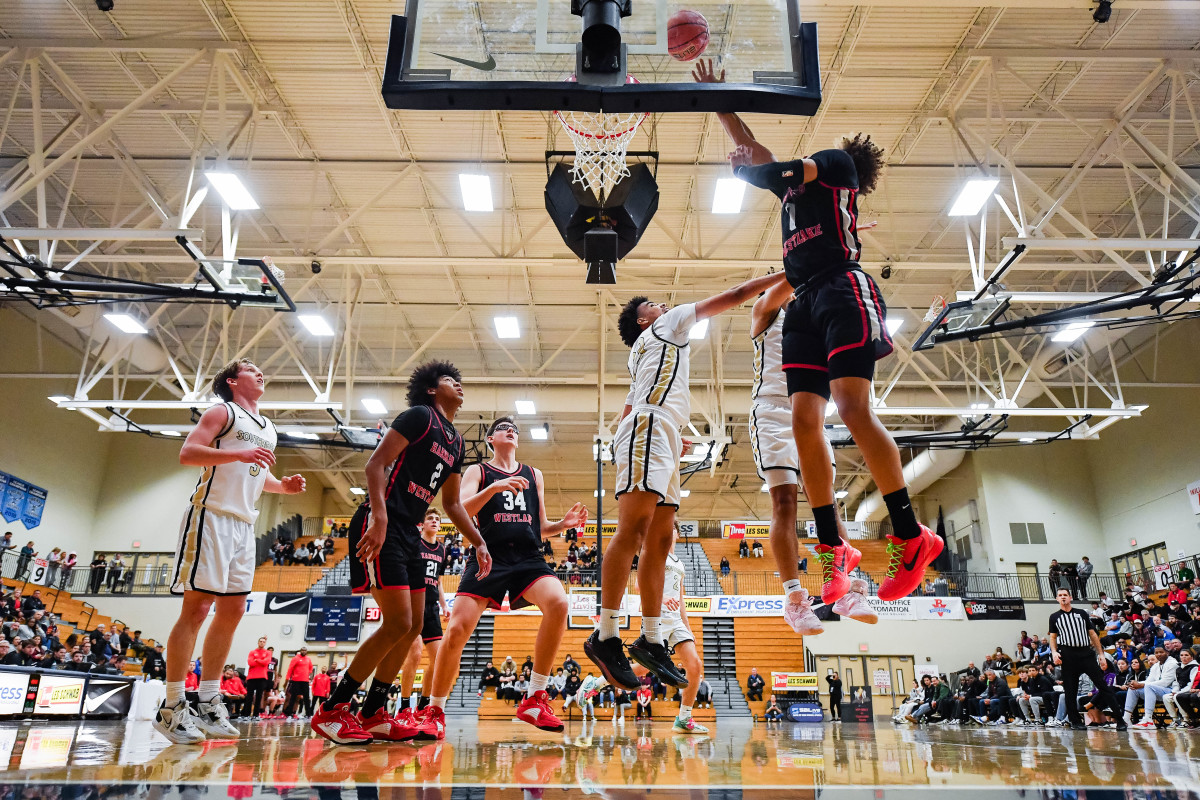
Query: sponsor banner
[
  {"x": 938, "y": 608},
  {"x": 748, "y": 605},
  {"x": 107, "y": 696},
  {"x": 609, "y": 529},
  {"x": 13, "y": 686},
  {"x": 899, "y": 609},
  {"x": 688, "y": 527},
  {"x": 59, "y": 695},
  {"x": 804, "y": 712},
  {"x": 794, "y": 681},
  {"x": 697, "y": 605},
  {"x": 994, "y": 607},
  {"x": 47, "y": 746},
  {"x": 285, "y": 603},
  {"x": 799, "y": 761},
  {"x": 1193, "y": 490},
  {"x": 332, "y": 522},
  {"x": 921, "y": 670},
  {"x": 746, "y": 529}
]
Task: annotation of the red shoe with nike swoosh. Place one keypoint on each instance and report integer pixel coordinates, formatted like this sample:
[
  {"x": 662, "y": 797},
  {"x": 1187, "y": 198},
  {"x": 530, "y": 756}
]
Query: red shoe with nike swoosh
[
  {"x": 339, "y": 726},
  {"x": 431, "y": 724},
  {"x": 907, "y": 560},
  {"x": 535, "y": 709}
]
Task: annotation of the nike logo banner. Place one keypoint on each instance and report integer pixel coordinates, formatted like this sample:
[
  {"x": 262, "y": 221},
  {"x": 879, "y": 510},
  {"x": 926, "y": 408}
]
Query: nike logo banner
[
  {"x": 107, "y": 696},
  {"x": 286, "y": 603},
  {"x": 484, "y": 66}
]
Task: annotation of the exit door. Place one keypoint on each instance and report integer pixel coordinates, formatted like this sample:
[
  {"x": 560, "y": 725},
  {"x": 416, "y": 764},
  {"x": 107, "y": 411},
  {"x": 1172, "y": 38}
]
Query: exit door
[{"x": 888, "y": 678}]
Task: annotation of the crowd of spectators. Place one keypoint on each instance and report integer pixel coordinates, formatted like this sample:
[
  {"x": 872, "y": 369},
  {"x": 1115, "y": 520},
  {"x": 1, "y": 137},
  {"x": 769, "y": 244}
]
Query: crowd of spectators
[
  {"x": 1151, "y": 661},
  {"x": 307, "y": 554}
]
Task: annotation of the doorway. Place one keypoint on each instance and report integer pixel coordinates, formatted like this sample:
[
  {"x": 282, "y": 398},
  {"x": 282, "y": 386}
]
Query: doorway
[
  {"x": 1027, "y": 580},
  {"x": 889, "y": 678},
  {"x": 1140, "y": 563}
]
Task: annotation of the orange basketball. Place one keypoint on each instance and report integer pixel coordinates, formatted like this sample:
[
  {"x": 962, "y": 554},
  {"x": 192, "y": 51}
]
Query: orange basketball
[{"x": 687, "y": 35}]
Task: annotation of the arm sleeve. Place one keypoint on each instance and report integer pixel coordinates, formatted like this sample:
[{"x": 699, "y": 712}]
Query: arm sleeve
[
  {"x": 835, "y": 168},
  {"x": 413, "y": 423},
  {"x": 776, "y": 177}
]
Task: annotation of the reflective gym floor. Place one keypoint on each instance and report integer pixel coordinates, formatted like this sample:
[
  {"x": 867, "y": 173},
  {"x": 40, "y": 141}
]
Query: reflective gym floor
[{"x": 495, "y": 759}]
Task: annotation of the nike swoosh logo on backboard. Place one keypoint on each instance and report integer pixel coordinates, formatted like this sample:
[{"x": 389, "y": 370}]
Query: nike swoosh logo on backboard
[
  {"x": 485, "y": 66},
  {"x": 916, "y": 555}
]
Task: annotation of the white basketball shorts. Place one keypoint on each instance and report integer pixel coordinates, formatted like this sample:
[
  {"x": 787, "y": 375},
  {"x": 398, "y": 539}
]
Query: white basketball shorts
[
  {"x": 772, "y": 442},
  {"x": 647, "y": 450},
  {"x": 674, "y": 632},
  {"x": 215, "y": 554}
]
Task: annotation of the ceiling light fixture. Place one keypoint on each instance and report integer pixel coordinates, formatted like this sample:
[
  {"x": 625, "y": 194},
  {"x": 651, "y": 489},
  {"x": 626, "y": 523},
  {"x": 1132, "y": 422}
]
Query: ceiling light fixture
[
  {"x": 841, "y": 494},
  {"x": 699, "y": 330},
  {"x": 971, "y": 199},
  {"x": 1028, "y": 439},
  {"x": 893, "y": 324},
  {"x": 830, "y": 409},
  {"x": 685, "y": 492},
  {"x": 316, "y": 324},
  {"x": 171, "y": 433},
  {"x": 374, "y": 406},
  {"x": 476, "y": 192},
  {"x": 507, "y": 328},
  {"x": 58, "y": 398},
  {"x": 539, "y": 433},
  {"x": 727, "y": 199},
  {"x": 525, "y": 407},
  {"x": 126, "y": 323},
  {"x": 232, "y": 190},
  {"x": 357, "y": 490},
  {"x": 1072, "y": 332}
]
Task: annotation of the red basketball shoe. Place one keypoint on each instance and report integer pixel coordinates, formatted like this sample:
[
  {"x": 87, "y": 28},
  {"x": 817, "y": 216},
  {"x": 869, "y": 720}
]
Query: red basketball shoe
[
  {"x": 383, "y": 726},
  {"x": 836, "y": 564},
  {"x": 908, "y": 559},
  {"x": 431, "y": 724},
  {"x": 339, "y": 726},
  {"x": 535, "y": 709}
]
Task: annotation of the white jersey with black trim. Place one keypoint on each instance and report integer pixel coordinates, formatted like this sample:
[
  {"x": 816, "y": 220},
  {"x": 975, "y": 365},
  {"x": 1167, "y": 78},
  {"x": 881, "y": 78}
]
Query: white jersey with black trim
[
  {"x": 659, "y": 366},
  {"x": 769, "y": 378},
  {"x": 234, "y": 488},
  {"x": 673, "y": 584}
]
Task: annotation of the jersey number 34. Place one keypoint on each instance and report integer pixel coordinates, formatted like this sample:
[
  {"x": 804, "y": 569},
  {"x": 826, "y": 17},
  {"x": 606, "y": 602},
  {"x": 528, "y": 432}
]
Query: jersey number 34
[{"x": 512, "y": 501}]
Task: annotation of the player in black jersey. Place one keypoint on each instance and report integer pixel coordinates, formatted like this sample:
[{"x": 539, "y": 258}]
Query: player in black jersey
[
  {"x": 433, "y": 554},
  {"x": 508, "y": 500},
  {"x": 833, "y": 333},
  {"x": 425, "y": 455}
]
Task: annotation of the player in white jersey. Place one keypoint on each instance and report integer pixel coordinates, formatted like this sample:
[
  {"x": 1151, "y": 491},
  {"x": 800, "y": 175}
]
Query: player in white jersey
[
  {"x": 647, "y": 448},
  {"x": 215, "y": 559},
  {"x": 677, "y": 634},
  {"x": 774, "y": 447}
]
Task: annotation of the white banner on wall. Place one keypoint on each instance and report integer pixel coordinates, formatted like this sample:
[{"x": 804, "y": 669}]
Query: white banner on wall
[
  {"x": 919, "y": 608},
  {"x": 1193, "y": 491}
]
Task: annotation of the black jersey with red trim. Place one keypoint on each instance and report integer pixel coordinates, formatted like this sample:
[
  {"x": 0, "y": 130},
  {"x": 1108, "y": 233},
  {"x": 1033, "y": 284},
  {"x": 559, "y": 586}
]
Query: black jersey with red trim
[
  {"x": 819, "y": 219},
  {"x": 511, "y": 521},
  {"x": 433, "y": 558},
  {"x": 434, "y": 453}
]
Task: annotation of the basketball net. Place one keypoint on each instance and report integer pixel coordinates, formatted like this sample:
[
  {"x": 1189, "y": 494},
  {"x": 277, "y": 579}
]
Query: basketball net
[
  {"x": 601, "y": 142},
  {"x": 935, "y": 308}
]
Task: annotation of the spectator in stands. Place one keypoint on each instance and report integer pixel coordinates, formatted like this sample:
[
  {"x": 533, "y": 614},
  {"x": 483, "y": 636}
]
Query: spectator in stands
[
  {"x": 97, "y": 635},
  {"x": 1185, "y": 675},
  {"x": 704, "y": 693},
  {"x": 1188, "y": 698},
  {"x": 1175, "y": 594},
  {"x": 570, "y": 663},
  {"x": 490, "y": 677},
  {"x": 570, "y": 691},
  {"x": 1054, "y": 574},
  {"x": 321, "y": 686},
  {"x": 835, "y": 696},
  {"x": 9, "y": 656},
  {"x": 26, "y": 555},
  {"x": 301, "y": 555},
  {"x": 1160, "y": 680},
  {"x": 773, "y": 712},
  {"x": 6, "y": 542},
  {"x": 33, "y": 603},
  {"x": 644, "y": 708},
  {"x": 116, "y": 569},
  {"x": 233, "y": 691},
  {"x": 757, "y": 549},
  {"x": 96, "y": 573},
  {"x": 29, "y": 654},
  {"x": 328, "y": 545},
  {"x": 52, "y": 563},
  {"x": 936, "y": 695},
  {"x": 996, "y": 700},
  {"x": 257, "y": 686},
  {"x": 66, "y": 564},
  {"x": 520, "y": 686},
  {"x": 1030, "y": 701},
  {"x": 961, "y": 704},
  {"x": 192, "y": 681},
  {"x": 910, "y": 704},
  {"x": 998, "y": 661},
  {"x": 154, "y": 665},
  {"x": 1083, "y": 571},
  {"x": 621, "y": 702},
  {"x": 744, "y": 549},
  {"x": 274, "y": 704},
  {"x": 724, "y": 566},
  {"x": 755, "y": 685},
  {"x": 508, "y": 676},
  {"x": 55, "y": 659},
  {"x": 557, "y": 681},
  {"x": 299, "y": 673},
  {"x": 278, "y": 551}
]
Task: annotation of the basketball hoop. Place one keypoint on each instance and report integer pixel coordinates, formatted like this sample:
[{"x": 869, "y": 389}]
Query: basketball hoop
[
  {"x": 601, "y": 142},
  {"x": 935, "y": 308}
]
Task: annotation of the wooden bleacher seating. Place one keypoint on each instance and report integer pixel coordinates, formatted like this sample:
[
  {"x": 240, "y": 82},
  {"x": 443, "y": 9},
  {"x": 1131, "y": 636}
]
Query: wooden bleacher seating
[
  {"x": 770, "y": 645},
  {"x": 269, "y": 577}
]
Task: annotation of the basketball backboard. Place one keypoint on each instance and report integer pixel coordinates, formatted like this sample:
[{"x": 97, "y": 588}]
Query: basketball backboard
[{"x": 520, "y": 55}]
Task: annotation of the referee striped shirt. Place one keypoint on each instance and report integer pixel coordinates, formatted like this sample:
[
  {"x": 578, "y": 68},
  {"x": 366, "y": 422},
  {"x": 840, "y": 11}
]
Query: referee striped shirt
[{"x": 1072, "y": 628}]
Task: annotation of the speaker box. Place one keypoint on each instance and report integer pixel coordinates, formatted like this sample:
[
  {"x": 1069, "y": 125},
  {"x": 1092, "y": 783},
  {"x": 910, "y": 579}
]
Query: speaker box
[{"x": 626, "y": 213}]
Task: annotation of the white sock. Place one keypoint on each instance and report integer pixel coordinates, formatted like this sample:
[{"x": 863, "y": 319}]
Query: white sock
[
  {"x": 610, "y": 623},
  {"x": 209, "y": 691},
  {"x": 652, "y": 629},
  {"x": 790, "y": 586},
  {"x": 685, "y": 712},
  {"x": 174, "y": 693},
  {"x": 438, "y": 702},
  {"x": 537, "y": 683}
]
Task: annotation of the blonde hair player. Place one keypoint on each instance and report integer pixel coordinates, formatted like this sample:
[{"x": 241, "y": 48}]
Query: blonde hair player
[
  {"x": 433, "y": 553},
  {"x": 214, "y": 562}
]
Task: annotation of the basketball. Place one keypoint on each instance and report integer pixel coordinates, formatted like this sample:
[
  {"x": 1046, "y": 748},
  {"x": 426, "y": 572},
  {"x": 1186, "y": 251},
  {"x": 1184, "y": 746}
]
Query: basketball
[{"x": 687, "y": 35}]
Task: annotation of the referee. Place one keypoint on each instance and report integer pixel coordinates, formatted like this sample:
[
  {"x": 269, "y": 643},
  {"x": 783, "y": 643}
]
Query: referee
[{"x": 1072, "y": 641}]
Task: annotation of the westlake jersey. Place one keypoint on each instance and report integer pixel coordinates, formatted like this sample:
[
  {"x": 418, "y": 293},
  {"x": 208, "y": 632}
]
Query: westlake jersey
[
  {"x": 433, "y": 454},
  {"x": 433, "y": 557},
  {"x": 819, "y": 219},
  {"x": 660, "y": 365},
  {"x": 235, "y": 487},
  {"x": 769, "y": 378},
  {"x": 511, "y": 522}
]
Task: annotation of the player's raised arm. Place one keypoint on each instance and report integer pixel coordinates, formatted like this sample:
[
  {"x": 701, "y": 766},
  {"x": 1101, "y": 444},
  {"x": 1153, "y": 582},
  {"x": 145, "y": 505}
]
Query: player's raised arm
[
  {"x": 575, "y": 518},
  {"x": 734, "y": 126},
  {"x": 767, "y": 305},
  {"x": 739, "y": 294}
]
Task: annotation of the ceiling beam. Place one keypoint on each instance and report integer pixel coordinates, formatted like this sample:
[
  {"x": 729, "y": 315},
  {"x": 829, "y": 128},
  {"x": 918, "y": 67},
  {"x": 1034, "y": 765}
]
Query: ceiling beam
[
  {"x": 141, "y": 44},
  {"x": 102, "y": 234}
]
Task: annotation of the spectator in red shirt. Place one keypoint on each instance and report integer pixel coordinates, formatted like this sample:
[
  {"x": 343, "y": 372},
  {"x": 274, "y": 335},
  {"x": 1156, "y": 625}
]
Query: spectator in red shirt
[
  {"x": 233, "y": 691},
  {"x": 192, "y": 682},
  {"x": 320, "y": 687},
  {"x": 299, "y": 673},
  {"x": 644, "y": 695},
  {"x": 257, "y": 682},
  {"x": 1177, "y": 595}
]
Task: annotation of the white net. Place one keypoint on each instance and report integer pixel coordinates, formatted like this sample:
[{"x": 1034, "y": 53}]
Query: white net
[{"x": 601, "y": 141}]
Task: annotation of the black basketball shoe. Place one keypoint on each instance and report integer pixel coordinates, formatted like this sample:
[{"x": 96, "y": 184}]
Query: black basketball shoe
[
  {"x": 655, "y": 658},
  {"x": 609, "y": 656}
]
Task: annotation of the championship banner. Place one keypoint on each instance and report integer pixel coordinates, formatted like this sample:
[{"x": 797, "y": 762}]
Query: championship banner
[
  {"x": 35, "y": 504},
  {"x": 794, "y": 682},
  {"x": 994, "y": 607},
  {"x": 12, "y": 505},
  {"x": 747, "y": 529}
]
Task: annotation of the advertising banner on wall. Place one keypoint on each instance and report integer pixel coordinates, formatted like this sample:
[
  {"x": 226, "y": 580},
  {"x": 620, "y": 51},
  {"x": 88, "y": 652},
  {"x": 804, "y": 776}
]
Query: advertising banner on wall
[
  {"x": 794, "y": 681},
  {"x": 285, "y": 603},
  {"x": 914, "y": 608},
  {"x": 1193, "y": 490},
  {"x": 994, "y": 607},
  {"x": 59, "y": 695},
  {"x": 107, "y": 696},
  {"x": 745, "y": 529},
  {"x": 13, "y": 686}
]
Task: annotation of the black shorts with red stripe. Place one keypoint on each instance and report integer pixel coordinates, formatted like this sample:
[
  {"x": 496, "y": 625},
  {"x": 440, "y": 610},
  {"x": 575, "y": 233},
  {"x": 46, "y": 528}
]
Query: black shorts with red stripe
[
  {"x": 513, "y": 572},
  {"x": 834, "y": 329},
  {"x": 399, "y": 564},
  {"x": 431, "y": 630}
]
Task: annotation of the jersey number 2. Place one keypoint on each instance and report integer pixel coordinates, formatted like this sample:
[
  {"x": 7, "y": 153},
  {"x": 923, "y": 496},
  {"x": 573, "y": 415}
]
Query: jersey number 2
[
  {"x": 437, "y": 473},
  {"x": 514, "y": 501}
]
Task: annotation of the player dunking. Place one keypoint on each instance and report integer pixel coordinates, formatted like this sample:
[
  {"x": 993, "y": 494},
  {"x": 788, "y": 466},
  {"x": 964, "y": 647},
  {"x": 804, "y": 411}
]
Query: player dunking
[
  {"x": 832, "y": 335},
  {"x": 433, "y": 554},
  {"x": 508, "y": 500},
  {"x": 648, "y": 447},
  {"x": 774, "y": 450},
  {"x": 425, "y": 454},
  {"x": 214, "y": 562}
]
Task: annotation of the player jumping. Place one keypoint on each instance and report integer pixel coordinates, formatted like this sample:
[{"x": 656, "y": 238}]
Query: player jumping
[
  {"x": 833, "y": 333},
  {"x": 508, "y": 499},
  {"x": 648, "y": 447},
  {"x": 425, "y": 454},
  {"x": 214, "y": 563}
]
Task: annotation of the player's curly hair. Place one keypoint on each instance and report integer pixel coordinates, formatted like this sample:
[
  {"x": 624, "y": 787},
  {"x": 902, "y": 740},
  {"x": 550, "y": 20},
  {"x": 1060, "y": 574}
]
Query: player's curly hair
[
  {"x": 868, "y": 160},
  {"x": 229, "y": 372},
  {"x": 627, "y": 323},
  {"x": 426, "y": 377}
]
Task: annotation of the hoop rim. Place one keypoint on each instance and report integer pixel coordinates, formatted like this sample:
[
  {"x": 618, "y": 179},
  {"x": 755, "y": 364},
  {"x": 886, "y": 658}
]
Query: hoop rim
[{"x": 632, "y": 128}]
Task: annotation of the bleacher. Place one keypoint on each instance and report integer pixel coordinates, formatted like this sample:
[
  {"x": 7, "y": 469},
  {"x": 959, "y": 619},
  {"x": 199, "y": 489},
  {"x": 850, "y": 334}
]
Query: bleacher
[
  {"x": 70, "y": 612},
  {"x": 770, "y": 645},
  {"x": 269, "y": 577}
]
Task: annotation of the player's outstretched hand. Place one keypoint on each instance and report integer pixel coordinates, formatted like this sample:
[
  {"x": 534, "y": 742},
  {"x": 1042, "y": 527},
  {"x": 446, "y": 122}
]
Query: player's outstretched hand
[
  {"x": 743, "y": 156},
  {"x": 259, "y": 455},
  {"x": 484, "y": 559},
  {"x": 706, "y": 73},
  {"x": 866, "y": 226},
  {"x": 577, "y": 517},
  {"x": 372, "y": 541},
  {"x": 293, "y": 484},
  {"x": 514, "y": 484}
]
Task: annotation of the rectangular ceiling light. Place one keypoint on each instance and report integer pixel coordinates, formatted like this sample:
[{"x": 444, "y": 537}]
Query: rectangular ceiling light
[
  {"x": 301, "y": 435},
  {"x": 357, "y": 490},
  {"x": 981, "y": 406},
  {"x": 841, "y": 494},
  {"x": 699, "y": 330},
  {"x": 508, "y": 328},
  {"x": 765, "y": 488},
  {"x": 525, "y": 407},
  {"x": 599, "y": 492},
  {"x": 727, "y": 199},
  {"x": 172, "y": 433},
  {"x": 58, "y": 398},
  {"x": 374, "y": 406},
  {"x": 1027, "y": 440},
  {"x": 830, "y": 409},
  {"x": 476, "y": 192},
  {"x": 126, "y": 323},
  {"x": 316, "y": 324},
  {"x": 893, "y": 324},
  {"x": 539, "y": 433},
  {"x": 972, "y": 197},
  {"x": 232, "y": 190},
  {"x": 685, "y": 492},
  {"x": 1072, "y": 332}
]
